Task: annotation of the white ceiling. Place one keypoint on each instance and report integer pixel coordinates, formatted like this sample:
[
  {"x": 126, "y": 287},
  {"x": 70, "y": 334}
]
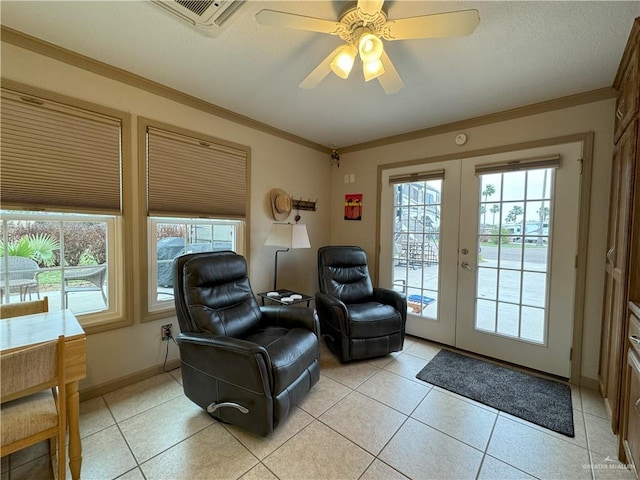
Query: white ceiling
[{"x": 522, "y": 52}]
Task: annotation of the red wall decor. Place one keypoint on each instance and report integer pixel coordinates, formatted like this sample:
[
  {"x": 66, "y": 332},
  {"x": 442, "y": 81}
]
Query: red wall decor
[{"x": 353, "y": 206}]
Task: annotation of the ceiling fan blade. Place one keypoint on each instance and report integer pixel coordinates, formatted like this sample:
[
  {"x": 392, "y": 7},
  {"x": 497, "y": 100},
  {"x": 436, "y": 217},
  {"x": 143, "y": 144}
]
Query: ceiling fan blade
[
  {"x": 319, "y": 73},
  {"x": 390, "y": 79},
  {"x": 298, "y": 22},
  {"x": 370, "y": 7},
  {"x": 452, "y": 24}
]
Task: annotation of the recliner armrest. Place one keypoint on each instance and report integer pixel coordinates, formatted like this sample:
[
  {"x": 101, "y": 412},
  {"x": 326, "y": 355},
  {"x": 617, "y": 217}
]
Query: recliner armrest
[
  {"x": 219, "y": 341},
  {"x": 291, "y": 317},
  {"x": 230, "y": 359},
  {"x": 396, "y": 299},
  {"x": 334, "y": 311}
]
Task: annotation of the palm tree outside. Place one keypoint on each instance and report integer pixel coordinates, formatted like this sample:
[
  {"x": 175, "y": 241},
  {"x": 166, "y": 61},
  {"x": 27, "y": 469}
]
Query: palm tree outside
[
  {"x": 514, "y": 213},
  {"x": 495, "y": 209},
  {"x": 489, "y": 190}
]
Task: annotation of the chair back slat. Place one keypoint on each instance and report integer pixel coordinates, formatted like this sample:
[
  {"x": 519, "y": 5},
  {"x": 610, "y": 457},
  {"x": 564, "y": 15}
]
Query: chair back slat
[
  {"x": 29, "y": 370},
  {"x": 24, "y": 308}
]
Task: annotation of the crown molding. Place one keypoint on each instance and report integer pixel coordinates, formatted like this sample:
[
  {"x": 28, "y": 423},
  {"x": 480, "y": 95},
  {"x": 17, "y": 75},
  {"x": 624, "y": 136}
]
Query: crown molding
[
  {"x": 36, "y": 45},
  {"x": 511, "y": 114}
]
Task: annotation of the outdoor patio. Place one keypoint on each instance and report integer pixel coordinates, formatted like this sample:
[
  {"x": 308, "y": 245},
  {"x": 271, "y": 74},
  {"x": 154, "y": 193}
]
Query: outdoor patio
[{"x": 79, "y": 302}]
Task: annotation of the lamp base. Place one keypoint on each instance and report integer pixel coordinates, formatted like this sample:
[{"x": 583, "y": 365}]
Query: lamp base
[{"x": 275, "y": 270}]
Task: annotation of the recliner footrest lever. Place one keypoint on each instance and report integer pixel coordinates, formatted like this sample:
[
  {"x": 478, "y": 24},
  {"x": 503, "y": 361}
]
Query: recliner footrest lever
[{"x": 215, "y": 406}]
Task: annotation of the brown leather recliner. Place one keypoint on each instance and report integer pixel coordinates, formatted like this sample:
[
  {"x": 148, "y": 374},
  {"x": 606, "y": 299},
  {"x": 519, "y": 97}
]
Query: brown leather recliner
[
  {"x": 357, "y": 320},
  {"x": 246, "y": 365}
]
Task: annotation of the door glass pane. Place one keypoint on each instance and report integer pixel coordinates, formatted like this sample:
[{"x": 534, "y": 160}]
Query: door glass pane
[
  {"x": 508, "y": 319},
  {"x": 535, "y": 257},
  {"x": 532, "y": 324},
  {"x": 486, "y": 316},
  {"x": 513, "y": 184},
  {"x": 416, "y": 249},
  {"x": 491, "y": 187},
  {"x": 487, "y": 283},
  {"x": 513, "y": 256},
  {"x": 509, "y": 286},
  {"x": 534, "y": 289}
]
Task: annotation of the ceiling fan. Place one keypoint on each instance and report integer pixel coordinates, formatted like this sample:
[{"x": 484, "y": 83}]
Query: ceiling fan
[{"x": 363, "y": 25}]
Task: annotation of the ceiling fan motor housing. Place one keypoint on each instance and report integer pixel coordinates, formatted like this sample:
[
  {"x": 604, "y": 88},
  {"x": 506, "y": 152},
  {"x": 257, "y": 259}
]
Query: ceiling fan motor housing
[{"x": 357, "y": 22}]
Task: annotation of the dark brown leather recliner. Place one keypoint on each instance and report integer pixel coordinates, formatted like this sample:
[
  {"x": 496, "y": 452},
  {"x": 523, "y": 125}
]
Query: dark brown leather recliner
[
  {"x": 356, "y": 319},
  {"x": 246, "y": 365}
]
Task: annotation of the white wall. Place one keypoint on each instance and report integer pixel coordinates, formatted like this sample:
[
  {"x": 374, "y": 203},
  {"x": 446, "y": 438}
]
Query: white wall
[
  {"x": 301, "y": 171},
  {"x": 596, "y": 117}
]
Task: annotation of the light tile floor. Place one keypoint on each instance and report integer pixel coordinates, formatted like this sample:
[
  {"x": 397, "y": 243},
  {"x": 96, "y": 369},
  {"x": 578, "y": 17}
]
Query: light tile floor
[{"x": 366, "y": 420}]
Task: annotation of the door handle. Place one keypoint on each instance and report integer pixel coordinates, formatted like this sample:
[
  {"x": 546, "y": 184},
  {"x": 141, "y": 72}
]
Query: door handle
[
  {"x": 610, "y": 254},
  {"x": 466, "y": 266}
]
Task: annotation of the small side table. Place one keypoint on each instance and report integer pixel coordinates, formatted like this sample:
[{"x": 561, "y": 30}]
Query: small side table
[{"x": 283, "y": 295}]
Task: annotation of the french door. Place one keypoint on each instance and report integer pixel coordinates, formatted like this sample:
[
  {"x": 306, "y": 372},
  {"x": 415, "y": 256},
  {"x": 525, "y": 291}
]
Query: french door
[{"x": 485, "y": 250}]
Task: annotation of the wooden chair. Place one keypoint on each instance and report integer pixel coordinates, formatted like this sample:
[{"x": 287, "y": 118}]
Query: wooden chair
[
  {"x": 24, "y": 308},
  {"x": 31, "y": 410}
]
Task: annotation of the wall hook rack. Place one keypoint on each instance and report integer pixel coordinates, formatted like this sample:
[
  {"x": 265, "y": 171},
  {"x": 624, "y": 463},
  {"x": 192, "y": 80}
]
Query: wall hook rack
[{"x": 304, "y": 204}]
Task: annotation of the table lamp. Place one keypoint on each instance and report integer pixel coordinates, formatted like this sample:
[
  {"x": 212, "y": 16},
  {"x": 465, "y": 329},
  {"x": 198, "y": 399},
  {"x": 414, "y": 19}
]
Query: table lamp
[{"x": 287, "y": 235}]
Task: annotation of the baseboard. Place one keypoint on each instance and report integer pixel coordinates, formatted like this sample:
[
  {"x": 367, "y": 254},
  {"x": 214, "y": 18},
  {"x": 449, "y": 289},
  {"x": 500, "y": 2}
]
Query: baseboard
[
  {"x": 112, "y": 385},
  {"x": 590, "y": 383}
]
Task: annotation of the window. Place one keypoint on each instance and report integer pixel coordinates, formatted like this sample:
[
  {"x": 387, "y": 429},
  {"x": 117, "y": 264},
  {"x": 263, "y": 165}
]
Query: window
[
  {"x": 61, "y": 256},
  {"x": 171, "y": 237},
  {"x": 196, "y": 200},
  {"x": 513, "y": 241},
  {"x": 62, "y": 227},
  {"x": 416, "y": 235}
]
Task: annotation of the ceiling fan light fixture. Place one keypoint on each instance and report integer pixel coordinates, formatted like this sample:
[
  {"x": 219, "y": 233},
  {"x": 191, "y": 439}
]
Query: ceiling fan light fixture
[
  {"x": 370, "y": 47},
  {"x": 372, "y": 69},
  {"x": 342, "y": 63}
]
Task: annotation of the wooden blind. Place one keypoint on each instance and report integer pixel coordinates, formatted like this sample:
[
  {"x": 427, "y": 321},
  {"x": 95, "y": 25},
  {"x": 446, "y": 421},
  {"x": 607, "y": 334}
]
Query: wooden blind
[
  {"x": 57, "y": 157},
  {"x": 187, "y": 176},
  {"x": 417, "y": 177},
  {"x": 548, "y": 161}
]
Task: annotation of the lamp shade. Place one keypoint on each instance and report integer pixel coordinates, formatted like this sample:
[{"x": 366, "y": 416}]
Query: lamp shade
[
  {"x": 342, "y": 63},
  {"x": 288, "y": 235},
  {"x": 370, "y": 47},
  {"x": 372, "y": 70}
]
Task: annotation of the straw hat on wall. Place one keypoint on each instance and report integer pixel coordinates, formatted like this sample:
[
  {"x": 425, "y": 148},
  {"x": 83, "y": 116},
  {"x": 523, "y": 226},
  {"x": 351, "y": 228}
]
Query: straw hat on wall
[{"x": 280, "y": 204}]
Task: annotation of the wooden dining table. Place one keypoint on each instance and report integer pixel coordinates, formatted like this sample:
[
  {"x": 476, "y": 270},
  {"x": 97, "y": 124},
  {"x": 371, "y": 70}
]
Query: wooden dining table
[{"x": 28, "y": 330}]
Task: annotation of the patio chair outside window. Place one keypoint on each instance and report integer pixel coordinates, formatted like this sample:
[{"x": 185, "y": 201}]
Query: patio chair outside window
[
  {"x": 22, "y": 275},
  {"x": 85, "y": 280}
]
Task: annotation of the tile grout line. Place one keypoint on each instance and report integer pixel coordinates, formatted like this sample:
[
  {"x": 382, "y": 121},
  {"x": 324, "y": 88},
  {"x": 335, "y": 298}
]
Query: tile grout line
[{"x": 486, "y": 447}]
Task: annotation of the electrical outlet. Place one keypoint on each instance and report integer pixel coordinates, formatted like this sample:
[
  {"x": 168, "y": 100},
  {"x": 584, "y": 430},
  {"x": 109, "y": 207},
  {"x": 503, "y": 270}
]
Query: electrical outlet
[{"x": 166, "y": 331}]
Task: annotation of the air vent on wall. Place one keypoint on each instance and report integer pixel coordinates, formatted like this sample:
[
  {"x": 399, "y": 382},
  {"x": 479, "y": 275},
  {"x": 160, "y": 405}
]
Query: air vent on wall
[{"x": 207, "y": 16}]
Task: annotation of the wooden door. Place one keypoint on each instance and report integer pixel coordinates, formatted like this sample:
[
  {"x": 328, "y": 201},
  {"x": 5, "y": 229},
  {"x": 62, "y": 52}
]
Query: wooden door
[{"x": 615, "y": 304}]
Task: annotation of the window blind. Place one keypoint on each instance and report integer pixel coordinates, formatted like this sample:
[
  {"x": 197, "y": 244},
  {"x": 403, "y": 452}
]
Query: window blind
[
  {"x": 58, "y": 157},
  {"x": 417, "y": 177},
  {"x": 187, "y": 176},
  {"x": 548, "y": 161}
]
